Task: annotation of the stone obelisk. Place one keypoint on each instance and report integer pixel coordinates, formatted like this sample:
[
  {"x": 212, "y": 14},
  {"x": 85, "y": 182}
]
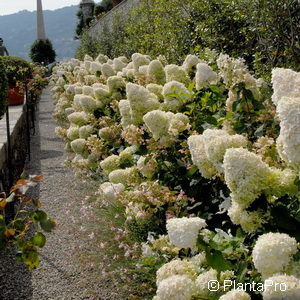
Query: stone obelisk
[{"x": 41, "y": 35}]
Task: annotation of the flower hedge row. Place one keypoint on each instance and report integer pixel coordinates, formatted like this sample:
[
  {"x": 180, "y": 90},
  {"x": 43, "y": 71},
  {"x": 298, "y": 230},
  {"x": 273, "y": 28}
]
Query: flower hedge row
[{"x": 204, "y": 160}]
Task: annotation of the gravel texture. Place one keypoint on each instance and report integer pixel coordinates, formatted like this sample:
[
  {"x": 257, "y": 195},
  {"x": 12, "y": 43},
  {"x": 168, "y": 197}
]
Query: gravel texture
[{"x": 61, "y": 275}]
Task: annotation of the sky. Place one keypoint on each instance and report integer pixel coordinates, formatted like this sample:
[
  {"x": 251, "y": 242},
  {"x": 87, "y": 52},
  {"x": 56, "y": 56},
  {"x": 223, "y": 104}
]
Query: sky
[{"x": 12, "y": 6}]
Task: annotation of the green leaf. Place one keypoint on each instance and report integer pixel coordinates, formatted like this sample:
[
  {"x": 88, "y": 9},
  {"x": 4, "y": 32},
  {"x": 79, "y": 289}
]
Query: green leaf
[
  {"x": 211, "y": 120},
  {"x": 194, "y": 206},
  {"x": 31, "y": 259},
  {"x": 47, "y": 225},
  {"x": 10, "y": 198},
  {"x": 192, "y": 170},
  {"x": 297, "y": 182},
  {"x": 241, "y": 271},
  {"x": 217, "y": 261},
  {"x": 38, "y": 240},
  {"x": 37, "y": 216},
  {"x": 19, "y": 224},
  {"x": 259, "y": 131}
]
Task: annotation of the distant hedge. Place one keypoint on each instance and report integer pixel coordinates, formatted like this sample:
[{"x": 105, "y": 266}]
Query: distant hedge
[
  {"x": 17, "y": 69},
  {"x": 264, "y": 32}
]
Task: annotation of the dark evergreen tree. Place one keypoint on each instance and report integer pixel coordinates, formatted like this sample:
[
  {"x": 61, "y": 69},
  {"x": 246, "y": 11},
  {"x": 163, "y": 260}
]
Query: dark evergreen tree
[{"x": 42, "y": 52}]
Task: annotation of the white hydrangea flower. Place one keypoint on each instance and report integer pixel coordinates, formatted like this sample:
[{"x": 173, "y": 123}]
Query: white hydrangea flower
[
  {"x": 205, "y": 76},
  {"x": 102, "y": 94},
  {"x": 78, "y": 89},
  {"x": 76, "y": 101},
  {"x": 183, "y": 232},
  {"x": 164, "y": 124},
  {"x": 279, "y": 287},
  {"x": 293, "y": 269},
  {"x": 74, "y": 62},
  {"x": 156, "y": 72},
  {"x": 177, "y": 124},
  {"x": 115, "y": 84},
  {"x": 141, "y": 101},
  {"x": 144, "y": 168},
  {"x": 110, "y": 164},
  {"x": 139, "y": 60},
  {"x": 177, "y": 287},
  {"x": 190, "y": 63},
  {"x": 60, "y": 82},
  {"x": 288, "y": 143},
  {"x": 235, "y": 295},
  {"x": 155, "y": 89},
  {"x": 95, "y": 67},
  {"x": 282, "y": 182},
  {"x": 129, "y": 72},
  {"x": 235, "y": 71},
  {"x": 176, "y": 73},
  {"x": 105, "y": 133},
  {"x": 197, "y": 149},
  {"x": 199, "y": 261},
  {"x": 88, "y": 103},
  {"x": 147, "y": 250},
  {"x": 143, "y": 70},
  {"x": 217, "y": 141},
  {"x": 118, "y": 64},
  {"x": 73, "y": 132},
  {"x": 127, "y": 153},
  {"x": 93, "y": 159},
  {"x": 70, "y": 89},
  {"x": 87, "y": 65},
  {"x": 175, "y": 267},
  {"x": 99, "y": 85},
  {"x": 157, "y": 122},
  {"x": 101, "y": 58},
  {"x": 179, "y": 90},
  {"x": 69, "y": 110},
  {"x": 202, "y": 283},
  {"x": 78, "y": 118},
  {"x": 249, "y": 221},
  {"x": 272, "y": 252},
  {"x": 246, "y": 175},
  {"x": 78, "y": 159},
  {"x": 124, "y": 59},
  {"x": 286, "y": 82},
  {"x": 87, "y": 58},
  {"x": 79, "y": 146},
  {"x": 87, "y": 90},
  {"x": 85, "y": 131},
  {"x": 124, "y": 107},
  {"x": 124, "y": 176},
  {"x": 110, "y": 191},
  {"x": 90, "y": 79},
  {"x": 232, "y": 97},
  {"x": 107, "y": 70}
]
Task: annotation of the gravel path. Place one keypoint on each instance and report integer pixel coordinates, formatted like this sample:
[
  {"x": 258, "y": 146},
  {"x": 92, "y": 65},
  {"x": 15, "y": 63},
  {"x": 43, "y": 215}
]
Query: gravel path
[{"x": 60, "y": 276}]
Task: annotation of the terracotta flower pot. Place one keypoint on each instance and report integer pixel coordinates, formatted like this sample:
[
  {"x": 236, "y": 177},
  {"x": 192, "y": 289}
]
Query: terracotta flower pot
[
  {"x": 15, "y": 96},
  {"x": 116, "y": 2}
]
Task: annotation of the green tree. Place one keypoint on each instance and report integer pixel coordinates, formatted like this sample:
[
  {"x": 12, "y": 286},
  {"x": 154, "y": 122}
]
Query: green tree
[{"x": 42, "y": 52}]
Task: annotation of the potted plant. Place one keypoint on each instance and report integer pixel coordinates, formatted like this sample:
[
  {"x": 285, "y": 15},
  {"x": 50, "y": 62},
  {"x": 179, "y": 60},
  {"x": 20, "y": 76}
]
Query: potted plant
[
  {"x": 17, "y": 69},
  {"x": 116, "y": 2},
  {"x": 3, "y": 89}
]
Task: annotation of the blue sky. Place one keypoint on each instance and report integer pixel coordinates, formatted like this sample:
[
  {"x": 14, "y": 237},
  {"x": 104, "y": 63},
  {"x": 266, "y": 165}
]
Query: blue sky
[{"x": 12, "y": 6}]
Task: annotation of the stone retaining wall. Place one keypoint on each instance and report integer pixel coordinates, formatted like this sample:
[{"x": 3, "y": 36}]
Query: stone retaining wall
[
  {"x": 19, "y": 145},
  {"x": 106, "y": 22}
]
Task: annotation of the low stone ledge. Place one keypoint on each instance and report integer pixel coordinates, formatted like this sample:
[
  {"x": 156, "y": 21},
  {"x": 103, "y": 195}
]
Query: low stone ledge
[{"x": 19, "y": 145}]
